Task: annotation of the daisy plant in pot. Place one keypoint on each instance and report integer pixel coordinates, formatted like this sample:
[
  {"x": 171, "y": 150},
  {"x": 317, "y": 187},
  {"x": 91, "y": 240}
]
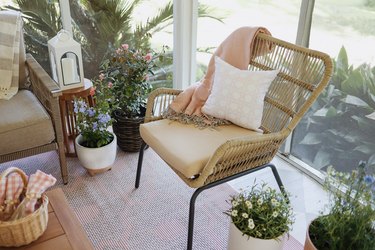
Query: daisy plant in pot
[
  {"x": 260, "y": 218},
  {"x": 95, "y": 144},
  {"x": 348, "y": 221}
]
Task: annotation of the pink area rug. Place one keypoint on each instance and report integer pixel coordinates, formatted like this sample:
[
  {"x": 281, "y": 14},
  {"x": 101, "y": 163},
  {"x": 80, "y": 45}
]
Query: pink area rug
[{"x": 155, "y": 216}]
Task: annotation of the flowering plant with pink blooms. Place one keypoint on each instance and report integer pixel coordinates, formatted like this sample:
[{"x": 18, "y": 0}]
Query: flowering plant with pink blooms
[
  {"x": 128, "y": 70},
  {"x": 93, "y": 122}
]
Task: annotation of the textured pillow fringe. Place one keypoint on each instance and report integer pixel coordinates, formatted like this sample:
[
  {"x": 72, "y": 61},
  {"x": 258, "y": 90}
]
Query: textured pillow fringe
[{"x": 205, "y": 121}]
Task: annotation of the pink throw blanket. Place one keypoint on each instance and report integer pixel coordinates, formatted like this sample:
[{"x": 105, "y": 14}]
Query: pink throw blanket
[{"x": 236, "y": 50}]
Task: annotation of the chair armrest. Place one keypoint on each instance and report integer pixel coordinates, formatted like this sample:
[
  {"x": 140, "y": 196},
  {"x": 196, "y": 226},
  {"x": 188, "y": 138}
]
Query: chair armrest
[
  {"x": 158, "y": 102},
  {"x": 47, "y": 92},
  {"x": 240, "y": 154},
  {"x": 42, "y": 83}
]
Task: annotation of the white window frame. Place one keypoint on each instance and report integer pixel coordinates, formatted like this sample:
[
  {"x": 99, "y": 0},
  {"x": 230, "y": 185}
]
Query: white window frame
[
  {"x": 185, "y": 15},
  {"x": 303, "y": 38}
]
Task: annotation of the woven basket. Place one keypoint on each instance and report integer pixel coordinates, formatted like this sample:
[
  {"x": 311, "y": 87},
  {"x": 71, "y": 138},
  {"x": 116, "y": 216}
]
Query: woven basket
[
  {"x": 127, "y": 132},
  {"x": 27, "y": 229}
]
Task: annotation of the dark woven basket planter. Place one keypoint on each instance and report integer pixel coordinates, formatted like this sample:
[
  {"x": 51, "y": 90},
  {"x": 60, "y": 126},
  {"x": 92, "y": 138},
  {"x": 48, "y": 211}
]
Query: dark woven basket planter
[{"x": 127, "y": 132}]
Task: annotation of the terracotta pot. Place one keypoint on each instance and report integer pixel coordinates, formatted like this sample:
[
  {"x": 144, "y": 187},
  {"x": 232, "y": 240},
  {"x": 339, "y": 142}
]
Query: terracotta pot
[
  {"x": 237, "y": 241},
  {"x": 308, "y": 243},
  {"x": 96, "y": 160}
]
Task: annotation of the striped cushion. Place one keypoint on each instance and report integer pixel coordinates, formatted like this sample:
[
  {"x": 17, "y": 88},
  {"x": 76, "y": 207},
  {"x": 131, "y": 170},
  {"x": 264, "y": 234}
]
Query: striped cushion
[{"x": 10, "y": 53}]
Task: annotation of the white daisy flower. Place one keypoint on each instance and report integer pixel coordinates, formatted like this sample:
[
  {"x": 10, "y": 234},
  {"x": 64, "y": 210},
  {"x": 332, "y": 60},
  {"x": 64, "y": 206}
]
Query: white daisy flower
[
  {"x": 245, "y": 215},
  {"x": 260, "y": 202},
  {"x": 251, "y": 224},
  {"x": 275, "y": 214},
  {"x": 234, "y": 203},
  {"x": 248, "y": 204},
  {"x": 234, "y": 213}
]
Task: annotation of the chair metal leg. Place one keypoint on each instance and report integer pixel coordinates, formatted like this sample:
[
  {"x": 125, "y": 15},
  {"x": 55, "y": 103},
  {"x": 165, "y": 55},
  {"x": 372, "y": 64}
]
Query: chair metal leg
[
  {"x": 191, "y": 218},
  {"x": 140, "y": 161},
  {"x": 278, "y": 180}
]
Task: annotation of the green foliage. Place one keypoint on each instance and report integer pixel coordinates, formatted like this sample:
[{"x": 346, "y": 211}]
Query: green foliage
[
  {"x": 339, "y": 128},
  {"x": 41, "y": 22},
  {"x": 261, "y": 213},
  {"x": 99, "y": 26},
  {"x": 349, "y": 222},
  {"x": 128, "y": 70},
  {"x": 370, "y": 3},
  {"x": 93, "y": 122}
]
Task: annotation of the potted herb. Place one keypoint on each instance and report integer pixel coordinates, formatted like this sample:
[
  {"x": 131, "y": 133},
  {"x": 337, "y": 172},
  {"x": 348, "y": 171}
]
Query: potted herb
[
  {"x": 129, "y": 70},
  {"x": 95, "y": 145},
  {"x": 349, "y": 223},
  {"x": 260, "y": 219}
]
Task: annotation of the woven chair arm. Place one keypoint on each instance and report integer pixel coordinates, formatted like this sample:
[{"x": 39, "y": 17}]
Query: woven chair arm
[
  {"x": 47, "y": 92},
  {"x": 158, "y": 102},
  {"x": 240, "y": 154},
  {"x": 42, "y": 83}
]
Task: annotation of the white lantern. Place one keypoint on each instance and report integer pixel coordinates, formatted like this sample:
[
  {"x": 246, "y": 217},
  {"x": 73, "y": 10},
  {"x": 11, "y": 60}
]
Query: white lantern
[{"x": 66, "y": 61}]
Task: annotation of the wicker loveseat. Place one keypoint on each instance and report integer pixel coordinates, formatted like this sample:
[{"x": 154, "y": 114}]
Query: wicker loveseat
[{"x": 30, "y": 121}]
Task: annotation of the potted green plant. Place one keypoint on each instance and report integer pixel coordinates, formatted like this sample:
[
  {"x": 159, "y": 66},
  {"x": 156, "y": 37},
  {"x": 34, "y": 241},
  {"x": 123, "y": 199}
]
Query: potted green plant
[
  {"x": 129, "y": 69},
  {"x": 260, "y": 219},
  {"x": 95, "y": 145},
  {"x": 349, "y": 223}
]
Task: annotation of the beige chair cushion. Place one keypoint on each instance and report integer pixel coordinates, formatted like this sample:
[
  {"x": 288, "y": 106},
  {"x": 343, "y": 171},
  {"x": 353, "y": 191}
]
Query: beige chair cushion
[
  {"x": 24, "y": 123},
  {"x": 185, "y": 147}
]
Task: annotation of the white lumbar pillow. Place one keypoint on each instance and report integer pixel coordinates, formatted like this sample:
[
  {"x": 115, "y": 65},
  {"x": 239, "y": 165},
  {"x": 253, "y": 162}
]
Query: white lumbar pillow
[{"x": 238, "y": 95}]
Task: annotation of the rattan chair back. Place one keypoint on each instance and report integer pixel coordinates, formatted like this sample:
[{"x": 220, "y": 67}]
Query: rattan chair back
[{"x": 303, "y": 75}]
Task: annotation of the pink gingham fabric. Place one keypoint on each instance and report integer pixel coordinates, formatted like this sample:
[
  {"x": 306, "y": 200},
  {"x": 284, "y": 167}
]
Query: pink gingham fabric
[
  {"x": 3, "y": 184},
  {"x": 14, "y": 189},
  {"x": 38, "y": 183}
]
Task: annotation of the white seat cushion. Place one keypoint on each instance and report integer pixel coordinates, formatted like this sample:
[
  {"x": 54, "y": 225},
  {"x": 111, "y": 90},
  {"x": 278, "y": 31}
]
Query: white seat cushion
[{"x": 185, "y": 147}]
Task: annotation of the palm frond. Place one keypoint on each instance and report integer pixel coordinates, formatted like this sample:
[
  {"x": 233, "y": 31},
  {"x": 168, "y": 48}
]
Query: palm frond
[
  {"x": 206, "y": 11},
  {"x": 162, "y": 19}
]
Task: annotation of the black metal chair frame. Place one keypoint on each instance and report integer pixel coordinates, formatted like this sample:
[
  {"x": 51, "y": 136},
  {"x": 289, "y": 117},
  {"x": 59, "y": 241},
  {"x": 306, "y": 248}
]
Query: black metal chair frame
[{"x": 210, "y": 185}]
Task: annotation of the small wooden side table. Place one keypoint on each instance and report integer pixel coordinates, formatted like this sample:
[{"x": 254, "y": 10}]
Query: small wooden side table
[
  {"x": 63, "y": 230},
  {"x": 68, "y": 117}
]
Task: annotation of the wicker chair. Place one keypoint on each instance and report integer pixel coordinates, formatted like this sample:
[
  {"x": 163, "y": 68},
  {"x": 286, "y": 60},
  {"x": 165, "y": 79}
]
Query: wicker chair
[
  {"x": 303, "y": 75},
  {"x": 34, "y": 125}
]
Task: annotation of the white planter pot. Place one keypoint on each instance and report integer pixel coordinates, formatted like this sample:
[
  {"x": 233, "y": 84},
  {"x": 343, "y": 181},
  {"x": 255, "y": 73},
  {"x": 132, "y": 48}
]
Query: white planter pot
[
  {"x": 237, "y": 241},
  {"x": 96, "y": 160}
]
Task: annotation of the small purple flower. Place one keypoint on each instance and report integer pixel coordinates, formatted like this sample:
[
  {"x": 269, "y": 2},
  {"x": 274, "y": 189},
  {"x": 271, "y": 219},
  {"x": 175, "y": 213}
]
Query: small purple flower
[
  {"x": 94, "y": 126},
  {"x": 91, "y": 112},
  {"x": 369, "y": 180},
  {"x": 75, "y": 107},
  {"x": 104, "y": 118},
  {"x": 108, "y": 117},
  {"x": 82, "y": 106}
]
